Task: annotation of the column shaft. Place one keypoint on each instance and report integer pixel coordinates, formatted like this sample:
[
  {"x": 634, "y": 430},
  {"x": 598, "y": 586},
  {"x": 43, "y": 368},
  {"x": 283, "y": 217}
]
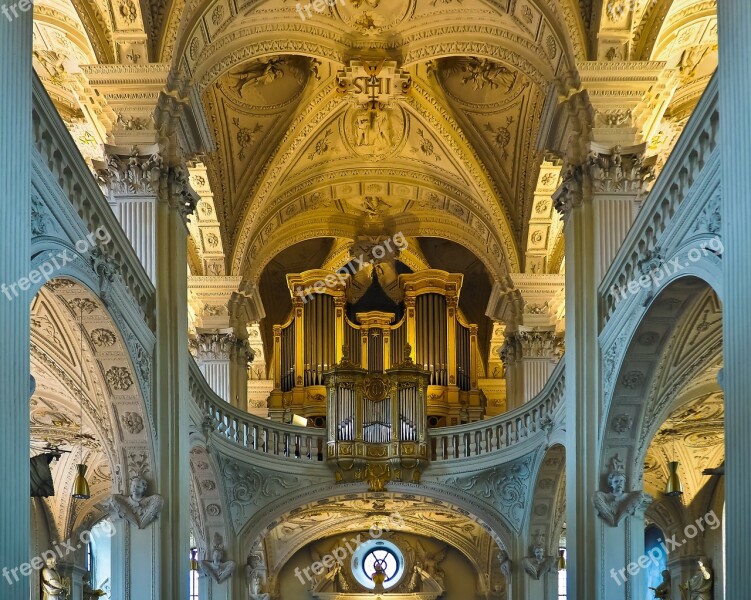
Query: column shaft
[
  {"x": 137, "y": 218},
  {"x": 582, "y": 401},
  {"x": 735, "y": 133},
  {"x": 171, "y": 400},
  {"x": 15, "y": 221}
]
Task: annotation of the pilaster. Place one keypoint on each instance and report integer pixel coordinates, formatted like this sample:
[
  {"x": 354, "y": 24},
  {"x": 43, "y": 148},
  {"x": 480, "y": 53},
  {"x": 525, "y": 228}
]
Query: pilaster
[
  {"x": 531, "y": 306},
  {"x": 15, "y": 221},
  {"x": 735, "y": 132},
  {"x": 219, "y": 334}
]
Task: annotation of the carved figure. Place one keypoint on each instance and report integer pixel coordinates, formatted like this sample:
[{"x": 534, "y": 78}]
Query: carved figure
[
  {"x": 383, "y": 130},
  {"x": 362, "y": 128},
  {"x": 538, "y": 564},
  {"x": 138, "y": 509},
  {"x": 219, "y": 569},
  {"x": 430, "y": 562},
  {"x": 618, "y": 504},
  {"x": 52, "y": 584},
  {"x": 663, "y": 590},
  {"x": 505, "y": 563},
  {"x": 264, "y": 72},
  {"x": 699, "y": 586},
  {"x": 88, "y": 592}
]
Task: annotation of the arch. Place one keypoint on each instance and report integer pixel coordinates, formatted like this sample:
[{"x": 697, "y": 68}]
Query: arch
[
  {"x": 385, "y": 512},
  {"x": 215, "y": 39},
  {"x": 656, "y": 368},
  {"x": 119, "y": 440},
  {"x": 424, "y": 225},
  {"x": 548, "y": 507},
  {"x": 273, "y": 198},
  {"x": 262, "y": 523},
  {"x": 208, "y": 507}
]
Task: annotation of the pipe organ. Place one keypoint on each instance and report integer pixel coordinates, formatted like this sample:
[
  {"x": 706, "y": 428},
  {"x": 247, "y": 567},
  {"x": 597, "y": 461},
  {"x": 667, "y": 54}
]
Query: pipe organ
[
  {"x": 443, "y": 345},
  {"x": 377, "y": 422}
]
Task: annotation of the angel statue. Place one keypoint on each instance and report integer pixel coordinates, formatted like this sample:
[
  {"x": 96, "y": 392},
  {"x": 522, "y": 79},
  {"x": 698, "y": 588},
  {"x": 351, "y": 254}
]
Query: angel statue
[
  {"x": 699, "y": 587},
  {"x": 663, "y": 590},
  {"x": 618, "y": 504},
  {"x": 217, "y": 567},
  {"x": 430, "y": 562},
  {"x": 137, "y": 508}
]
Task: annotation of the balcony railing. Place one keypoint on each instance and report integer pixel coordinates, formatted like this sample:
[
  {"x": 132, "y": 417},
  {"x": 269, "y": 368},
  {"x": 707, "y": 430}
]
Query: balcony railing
[
  {"x": 686, "y": 165},
  {"x": 502, "y": 431},
  {"x": 251, "y": 432},
  {"x": 445, "y": 443}
]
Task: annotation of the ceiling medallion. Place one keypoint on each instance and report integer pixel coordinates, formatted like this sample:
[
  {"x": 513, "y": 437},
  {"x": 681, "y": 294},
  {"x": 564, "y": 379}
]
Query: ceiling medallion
[
  {"x": 374, "y": 127},
  {"x": 374, "y": 17}
]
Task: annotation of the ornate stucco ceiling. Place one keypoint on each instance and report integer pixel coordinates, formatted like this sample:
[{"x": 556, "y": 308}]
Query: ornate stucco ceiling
[
  {"x": 337, "y": 516},
  {"x": 694, "y": 435},
  {"x": 115, "y": 431},
  {"x": 458, "y": 157}
]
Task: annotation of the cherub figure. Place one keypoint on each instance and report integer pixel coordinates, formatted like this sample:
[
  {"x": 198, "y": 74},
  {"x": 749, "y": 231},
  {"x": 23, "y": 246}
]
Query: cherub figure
[{"x": 538, "y": 564}]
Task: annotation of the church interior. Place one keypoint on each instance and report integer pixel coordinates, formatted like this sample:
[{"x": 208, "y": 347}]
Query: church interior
[{"x": 375, "y": 299}]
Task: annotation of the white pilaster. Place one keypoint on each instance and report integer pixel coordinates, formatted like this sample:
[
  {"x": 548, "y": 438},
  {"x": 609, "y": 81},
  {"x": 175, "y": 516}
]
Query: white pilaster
[
  {"x": 15, "y": 239},
  {"x": 735, "y": 146}
]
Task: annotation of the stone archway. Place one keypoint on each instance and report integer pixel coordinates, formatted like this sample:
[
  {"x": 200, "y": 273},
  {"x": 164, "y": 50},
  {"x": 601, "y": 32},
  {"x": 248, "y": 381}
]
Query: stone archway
[
  {"x": 391, "y": 515},
  {"x": 663, "y": 356}
]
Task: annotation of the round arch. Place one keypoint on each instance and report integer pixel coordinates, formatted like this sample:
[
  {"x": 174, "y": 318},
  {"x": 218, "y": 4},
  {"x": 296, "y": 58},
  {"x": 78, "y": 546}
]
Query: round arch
[
  {"x": 665, "y": 352},
  {"x": 117, "y": 384},
  {"x": 547, "y": 511}
]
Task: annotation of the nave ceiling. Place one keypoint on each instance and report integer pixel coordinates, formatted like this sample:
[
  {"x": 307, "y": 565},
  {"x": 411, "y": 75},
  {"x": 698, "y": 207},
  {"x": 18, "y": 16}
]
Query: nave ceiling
[{"x": 457, "y": 156}]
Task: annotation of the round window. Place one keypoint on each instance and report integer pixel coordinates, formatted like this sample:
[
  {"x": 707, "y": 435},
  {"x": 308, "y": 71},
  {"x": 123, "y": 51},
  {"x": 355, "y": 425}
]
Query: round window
[{"x": 378, "y": 555}]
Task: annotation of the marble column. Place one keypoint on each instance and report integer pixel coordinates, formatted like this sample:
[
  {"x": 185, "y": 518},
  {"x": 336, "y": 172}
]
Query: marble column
[
  {"x": 171, "y": 390},
  {"x": 735, "y": 133},
  {"x": 216, "y": 354},
  {"x": 583, "y": 391},
  {"x": 530, "y": 357},
  {"x": 531, "y": 306},
  {"x": 15, "y": 221}
]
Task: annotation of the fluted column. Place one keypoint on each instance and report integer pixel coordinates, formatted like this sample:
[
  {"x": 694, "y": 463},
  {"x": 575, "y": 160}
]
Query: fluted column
[
  {"x": 583, "y": 389},
  {"x": 735, "y": 133},
  {"x": 531, "y": 306},
  {"x": 583, "y": 395},
  {"x": 530, "y": 356},
  {"x": 171, "y": 390},
  {"x": 15, "y": 221},
  {"x": 130, "y": 180}
]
